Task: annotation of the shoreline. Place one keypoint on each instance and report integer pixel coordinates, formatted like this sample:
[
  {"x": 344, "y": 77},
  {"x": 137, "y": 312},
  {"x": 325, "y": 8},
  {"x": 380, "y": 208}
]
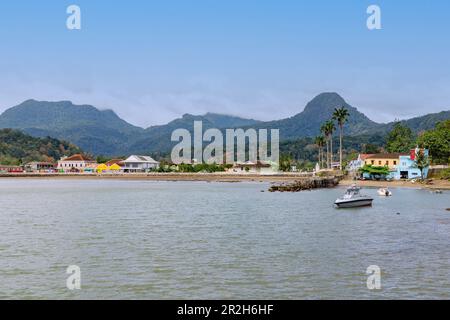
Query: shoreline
[
  {"x": 224, "y": 177},
  {"x": 437, "y": 184},
  {"x": 207, "y": 177}
]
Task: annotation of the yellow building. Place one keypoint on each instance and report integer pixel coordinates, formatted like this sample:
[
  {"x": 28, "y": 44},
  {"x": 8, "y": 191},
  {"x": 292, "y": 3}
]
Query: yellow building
[{"x": 392, "y": 160}]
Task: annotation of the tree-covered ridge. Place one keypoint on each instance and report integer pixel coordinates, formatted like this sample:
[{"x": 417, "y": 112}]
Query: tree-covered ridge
[
  {"x": 18, "y": 148},
  {"x": 437, "y": 141},
  {"x": 102, "y": 132}
]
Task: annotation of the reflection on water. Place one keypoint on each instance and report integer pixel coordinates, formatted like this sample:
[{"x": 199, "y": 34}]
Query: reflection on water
[{"x": 173, "y": 240}]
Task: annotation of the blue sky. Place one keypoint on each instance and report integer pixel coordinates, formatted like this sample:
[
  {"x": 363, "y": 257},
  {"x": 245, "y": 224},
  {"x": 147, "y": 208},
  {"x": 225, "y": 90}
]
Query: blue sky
[{"x": 152, "y": 61}]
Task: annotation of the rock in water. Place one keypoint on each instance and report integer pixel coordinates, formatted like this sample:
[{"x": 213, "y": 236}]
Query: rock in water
[{"x": 306, "y": 184}]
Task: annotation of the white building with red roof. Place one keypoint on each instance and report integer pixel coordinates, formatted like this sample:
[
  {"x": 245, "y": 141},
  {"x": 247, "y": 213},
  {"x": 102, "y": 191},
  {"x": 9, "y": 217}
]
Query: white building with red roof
[{"x": 77, "y": 162}]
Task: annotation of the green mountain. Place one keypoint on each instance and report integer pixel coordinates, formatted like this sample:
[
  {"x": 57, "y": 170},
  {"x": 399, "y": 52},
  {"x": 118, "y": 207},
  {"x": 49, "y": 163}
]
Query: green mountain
[
  {"x": 17, "y": 147},
  {"x": 320, "y": 109},
  {"x": 98, "y": 132},
  {"x": 417, "y": 124},
  {"x": 156, "y": 139},
  {"x": 104, "y": 133}
]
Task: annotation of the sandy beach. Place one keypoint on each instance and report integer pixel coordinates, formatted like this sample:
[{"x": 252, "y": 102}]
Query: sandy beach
[{"x": 435, "y": 184}]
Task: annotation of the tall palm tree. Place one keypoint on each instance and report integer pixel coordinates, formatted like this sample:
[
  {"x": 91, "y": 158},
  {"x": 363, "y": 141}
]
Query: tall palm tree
[
  {"x": 320, "y": 142},
  {"x": 341, "y": 116},
  {"x": 330, "y": 128},
  {"x": 324, "y": 130}
]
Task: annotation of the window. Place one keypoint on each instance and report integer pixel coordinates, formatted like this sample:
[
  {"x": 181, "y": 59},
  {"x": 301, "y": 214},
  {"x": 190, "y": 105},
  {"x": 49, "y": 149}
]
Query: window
[
  {"x": 387, "y": 162},
  {"x": 379, "y": 162},
  {"x": 373, "y": 161},
  {"x": 395, "y": 163}
]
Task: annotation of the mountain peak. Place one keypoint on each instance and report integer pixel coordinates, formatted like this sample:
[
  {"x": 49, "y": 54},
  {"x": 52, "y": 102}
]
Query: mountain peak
[
  {"x": 326, "y": 101},
  {"x": 40, "y": 102}
]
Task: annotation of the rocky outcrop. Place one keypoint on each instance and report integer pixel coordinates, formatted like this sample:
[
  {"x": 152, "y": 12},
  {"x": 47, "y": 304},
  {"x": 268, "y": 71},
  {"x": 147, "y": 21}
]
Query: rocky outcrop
[{"x": 306, "y": 184}]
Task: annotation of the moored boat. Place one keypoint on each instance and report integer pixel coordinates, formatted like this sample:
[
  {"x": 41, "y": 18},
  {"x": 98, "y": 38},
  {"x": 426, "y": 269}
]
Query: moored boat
[
  {"x": 385, "y": 192},
  {"x": 353, "y": 199}
]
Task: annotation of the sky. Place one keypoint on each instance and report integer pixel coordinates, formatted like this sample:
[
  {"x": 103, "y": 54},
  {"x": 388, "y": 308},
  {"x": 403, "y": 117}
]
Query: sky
[{"x": 152, "y": 61}]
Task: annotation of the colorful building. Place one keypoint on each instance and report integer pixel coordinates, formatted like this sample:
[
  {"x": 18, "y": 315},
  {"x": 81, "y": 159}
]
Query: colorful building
[
  {"x": 11, "y": 169},
  {"x": 400, "y": 165}
]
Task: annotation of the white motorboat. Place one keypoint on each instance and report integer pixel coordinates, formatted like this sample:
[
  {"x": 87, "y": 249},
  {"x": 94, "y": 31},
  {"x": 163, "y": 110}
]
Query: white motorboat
[
  {"x": 352, "y": 199},
  {"x": 384, "y": 192}
]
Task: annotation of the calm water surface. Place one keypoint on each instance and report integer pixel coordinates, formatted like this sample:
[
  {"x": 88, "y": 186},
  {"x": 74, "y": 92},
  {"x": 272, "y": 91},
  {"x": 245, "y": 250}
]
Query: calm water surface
[{"x": 198, "y": 240}]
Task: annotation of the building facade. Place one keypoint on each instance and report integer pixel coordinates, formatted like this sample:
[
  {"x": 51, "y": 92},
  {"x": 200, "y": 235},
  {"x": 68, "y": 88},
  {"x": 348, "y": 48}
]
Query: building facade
[
  {"x": 75, "y": 163},
  {"x": 357, "y": 164},
  {"x": 39, "y": 166},
  {"x": 11, "y": 169},
  {"x": 400, "y": 165},
  {"x": 390, "y": 160},
  {"x": 136, "y": 163}
]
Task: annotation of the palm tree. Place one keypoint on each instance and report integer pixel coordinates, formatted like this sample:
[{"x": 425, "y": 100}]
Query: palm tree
[
  {"x": 329, "y": 129},
  {"x": 320, "y": 142},
  {"x": 324, "y": 130},
  {"x": 421, "y": 161},
  {"x": 341, "y": 116}
]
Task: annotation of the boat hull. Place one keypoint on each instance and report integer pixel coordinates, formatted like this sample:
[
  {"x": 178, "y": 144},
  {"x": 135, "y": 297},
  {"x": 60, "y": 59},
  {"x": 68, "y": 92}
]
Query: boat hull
[{"x": 354, "y": 203}]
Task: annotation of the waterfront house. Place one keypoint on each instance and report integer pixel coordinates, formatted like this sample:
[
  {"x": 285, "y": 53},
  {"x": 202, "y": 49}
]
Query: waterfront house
[
  {"x": 10, "y": 169},
  {"x": 75, "y": 163},
  {"x": 400, "y": 165},
  {"x": 407, "y": 166},
  {"x": 357, "y": 164},
  {"x": 391, "y": 160},
  {"x": 136, "y": 163},
  {"x": 36, "y": 166}
]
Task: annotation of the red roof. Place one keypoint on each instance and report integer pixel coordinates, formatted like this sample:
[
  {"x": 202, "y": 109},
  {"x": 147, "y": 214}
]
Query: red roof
[
  {"x": 364, "y": 156},
  {"x": 115, "y": 161},
  {"x": 77, "y": 157},
  {"x": 387, "y": 155}
]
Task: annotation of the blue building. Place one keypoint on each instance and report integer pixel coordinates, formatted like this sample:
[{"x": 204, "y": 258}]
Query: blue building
[
  {"x": 401, "y": 166},
  {"x": 407, "y": 169}
]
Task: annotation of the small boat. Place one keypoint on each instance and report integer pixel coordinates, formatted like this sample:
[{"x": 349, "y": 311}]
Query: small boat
[
  {"x": 385, "y": 192},
  {"x": 352, "y": 199}
]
